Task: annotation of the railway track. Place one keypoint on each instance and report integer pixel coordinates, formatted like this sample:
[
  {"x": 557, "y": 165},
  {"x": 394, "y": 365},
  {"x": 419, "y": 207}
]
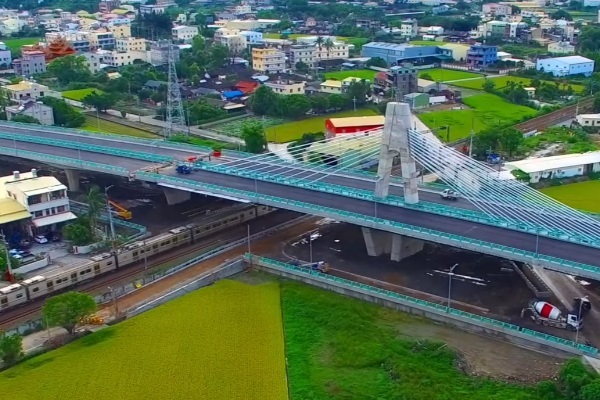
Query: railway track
[{"x": 24, "y": 313}]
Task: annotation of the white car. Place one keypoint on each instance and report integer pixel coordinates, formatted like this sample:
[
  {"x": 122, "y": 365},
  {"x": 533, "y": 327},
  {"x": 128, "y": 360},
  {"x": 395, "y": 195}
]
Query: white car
[{"x": 41, "y": 239}]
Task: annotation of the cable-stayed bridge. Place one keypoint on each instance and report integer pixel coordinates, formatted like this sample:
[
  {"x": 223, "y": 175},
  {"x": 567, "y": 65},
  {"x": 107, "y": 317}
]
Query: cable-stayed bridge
[{"x": 493, "y": 216}]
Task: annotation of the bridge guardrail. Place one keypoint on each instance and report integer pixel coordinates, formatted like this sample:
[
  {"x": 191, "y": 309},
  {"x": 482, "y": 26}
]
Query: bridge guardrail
[
  {"x": 571, "y": 267},
  {"x": 88, "y": 147},
  {"x": 434, "y": 307},
  {"x": 428, "y": 207},
  {"x": 123, "y": 138}
]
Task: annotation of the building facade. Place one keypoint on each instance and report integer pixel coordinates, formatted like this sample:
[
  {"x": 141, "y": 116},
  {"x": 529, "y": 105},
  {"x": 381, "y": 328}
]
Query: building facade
[
  {"x": 252, "y": 37},
  {"x": 497, "y": 9},
  {"x": 26, "y": 90},
  {"x": 482, "y": 55},
  {"x": 159, "y": 53},
  {"x": 561, "y": 48},
  {"x": 184, "y": 33},
  {"x": 394, "y": 53},
  {"x": 331, "y": 86},
  {"x": 5, "y": 56},
  {"x": 30, "y": 63},
  {"x": 35, "y": 109},
  {"x": 130, "y": 44},
  {"x": 337, "y": 126},
  {"x": 286, "y": 87},
  {"x": 302, "y": 53},
  {"x": 409, "y": 28},
  {"x": 268, "y": 60},
  {"x": 566, "y": 66}
]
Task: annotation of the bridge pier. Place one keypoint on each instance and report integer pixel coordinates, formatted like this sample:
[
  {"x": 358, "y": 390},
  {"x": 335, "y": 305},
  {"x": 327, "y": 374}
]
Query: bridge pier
[
  {"x": 395, "y": 142},
  {"x": 397, "y": 246},
  {"x": 176, "y": 196},
  {"x": 72, "y": 179}
]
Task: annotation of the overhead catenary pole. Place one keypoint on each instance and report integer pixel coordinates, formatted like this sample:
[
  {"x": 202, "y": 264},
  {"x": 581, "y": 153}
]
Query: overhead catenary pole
[
  {"x": 175, "y": 121},
  {"x": 110, "y": 220}
]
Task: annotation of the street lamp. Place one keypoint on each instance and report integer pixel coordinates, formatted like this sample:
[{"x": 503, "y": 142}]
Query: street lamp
[
  {"x": 110, "y": 220},
  {"x": 450, "y": 275}
]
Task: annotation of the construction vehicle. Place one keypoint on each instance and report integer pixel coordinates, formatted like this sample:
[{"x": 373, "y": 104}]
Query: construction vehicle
[
  {"x": 544, "y": 313},
  {"x": 120, "y": 211},
  {"x": 183, "y": 169},
  {"x": 582, "y": 305},
  {"x": 449, "y": 194}
]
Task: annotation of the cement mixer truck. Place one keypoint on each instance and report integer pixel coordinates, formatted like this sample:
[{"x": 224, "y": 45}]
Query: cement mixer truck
[{"x": 544, "y": 313}]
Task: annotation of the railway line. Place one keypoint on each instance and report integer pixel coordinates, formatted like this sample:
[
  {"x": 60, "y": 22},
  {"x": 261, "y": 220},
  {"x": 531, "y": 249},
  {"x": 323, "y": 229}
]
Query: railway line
[{"x": 29, "y": 311}]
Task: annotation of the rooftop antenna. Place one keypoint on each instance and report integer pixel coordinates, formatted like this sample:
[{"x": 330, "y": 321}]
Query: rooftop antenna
[{"x": 175, "y": 116}]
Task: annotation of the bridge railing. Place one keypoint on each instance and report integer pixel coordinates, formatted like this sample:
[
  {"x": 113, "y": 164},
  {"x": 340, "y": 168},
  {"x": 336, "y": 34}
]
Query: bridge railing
[
  {"x": 434, "y": 307},
  {"x": 434, "y": 208},
  {"x": 559, "y": 264}
]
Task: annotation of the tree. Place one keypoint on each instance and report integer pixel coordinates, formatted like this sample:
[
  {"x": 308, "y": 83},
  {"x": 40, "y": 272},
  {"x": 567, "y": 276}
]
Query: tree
[
  {"x": 263, "y": 101},
  {"x": 68, "y": 309},
  {"x": 64, "y": 114},
  {"x": 377, "y": 62},
  {"x": 358, "y": 91},
  {"x": 70, "y": 69},
  {"x": 488, "y": 139},
  {"x": 510, "y": 140},
  {"x": 591, "y": 391},
  {"x": 328, "y": 44},
  {"x": 27, "y": 119},
  {"x": 78, "y": 232},
  {"x": 319, "y": 103},
  {"x": 293, "y": 105},
  {"x": 96, "y": 202},
  {"x": 101, "y": 102},
  {"x": 561, "y": 14},
  {"x": 218, "y": 54},
  {"x": 254, "y": 137},
  {"x": 337, "y": 101},
  {"x": 597, "y": 103},
  {"x": 488, "y": 85},
  {"x": 574, "y": 376},
  {"x": 11, "y": 348},
  {"x": 302, "y": 67}
]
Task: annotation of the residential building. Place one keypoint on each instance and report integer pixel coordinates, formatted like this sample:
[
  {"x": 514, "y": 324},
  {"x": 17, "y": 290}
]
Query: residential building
[
  {"x": 457, "y": 51},
  {"x": 566, "y": 66},
  {"x": 409, "y": 28},
  {"x": 251, "y": 24},
  {"x": 30, "y": 63},
  {"x": 337, "y": 126},
  {"x": 497, "y": 9},
  {"x": 107, "y": 6},
  {"x": 435, "y": 30},
  {"x": 402, "y": 80},
  {"x": 25, "y": 90},
  {"x": 152, "y": 9},
  {"x": 346, "y": 82},
  {"x": 561, "y": 48},
  {"x": 394, "y": 54},
  {"x": 184, "y": 33},
  {"x": 331, "y": 86},
  {"x": 120, "y": 30},
  {"x": 338, "y": 51},
  {"x": 118, "y": 59},
  {"x": 101, "y": 40},
  {"x": 159, "y": 53},
  {"x": 94, "y": 60},
  {"x": 32, "y": 108},
  {"x": 417, "y": 100},
  {"x": 252, "y": 37},
  {"x": 286, "y": 87},
  {"x": 5, "y": 56},
  {"x": 235, "y": 43},
  {"x": 557, "y": 167},
  {"x": 588, "y": 119},
  {"x": 242, "y": 9},
  {"x": 130, "y": 44},
  {"x": 268, "y": 60},
  {"x": 44, "y": 197},
  {"x": 302, "y": 53},
  {"x": 482, "y": 55}
]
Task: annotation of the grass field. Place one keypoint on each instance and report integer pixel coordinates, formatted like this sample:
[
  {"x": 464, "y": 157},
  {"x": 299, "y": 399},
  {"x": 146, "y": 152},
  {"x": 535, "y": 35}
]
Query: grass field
[
  {"x": 502, "y": 81},
  {"x": 341, "y": 348},
  {"x": 582, "y": 195},
  {"x": 358, "y": 73},
  {"x": 444, "y": 75},
  {"x": 91, "y": 125},
  {"x": 426, "y": 43},
  {"x": 224, "y": 341},
  {"x": 79, "y": 94},
  {"x": 16, "y": 43},
  {"x": 488, "y": 110},
  {"x": 294, "y": 130},
  {"x": 234, "y": 128}
]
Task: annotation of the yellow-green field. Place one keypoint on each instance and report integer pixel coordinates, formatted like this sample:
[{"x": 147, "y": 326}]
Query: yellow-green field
[
  {"x": 221, "y": 342},
  {"x": 582, "y": 195},
  {"x": 79, "y": 94},
  {"x": 92, "y": 124},
  {"x": 502, "y": 82},
  {"x": 294, "y": 130}
]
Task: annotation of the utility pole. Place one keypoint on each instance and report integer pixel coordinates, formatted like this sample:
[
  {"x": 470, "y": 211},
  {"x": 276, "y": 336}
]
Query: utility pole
[
  {"x": 354, "y": 101},
  {"x": 110, "y": 220},
  {"x": 175, "y": 116},
  {"x": 450, "y": 275}
]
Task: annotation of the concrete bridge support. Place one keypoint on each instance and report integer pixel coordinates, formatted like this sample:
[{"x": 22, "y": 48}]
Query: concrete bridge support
[
  {"x": 397, "y": 246},
  {"x": 72, "y": 179},
  {"x": 176, "y": 196},
  {"x": 395, "y": 142}
]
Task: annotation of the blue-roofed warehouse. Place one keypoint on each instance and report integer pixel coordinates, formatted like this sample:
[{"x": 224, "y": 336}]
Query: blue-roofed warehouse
[{"x": 397, "y": 53}]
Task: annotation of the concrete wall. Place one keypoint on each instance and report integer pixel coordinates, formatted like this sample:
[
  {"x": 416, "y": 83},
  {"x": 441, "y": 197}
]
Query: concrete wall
[{"x": 515, "y": 337}]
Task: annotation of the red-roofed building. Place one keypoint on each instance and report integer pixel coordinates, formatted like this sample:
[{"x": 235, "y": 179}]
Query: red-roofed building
[
  {"x": 336, "y": 126},
  {"x": 246, "y": 87}
]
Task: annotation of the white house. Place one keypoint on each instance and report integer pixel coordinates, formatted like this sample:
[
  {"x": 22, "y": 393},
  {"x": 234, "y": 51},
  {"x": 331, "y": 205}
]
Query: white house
[
  {"x": 252, "y": 37},
  {"x": 561, "y": 48},
  {"x": 588, "y": 119},
  {"x": 32, "y": 108},
  {"x": 435, "y": 30},
  {"x": 565, "y": 66},
  {"x": 185, "y": 33},
  {"x": 558, "y": 166}
]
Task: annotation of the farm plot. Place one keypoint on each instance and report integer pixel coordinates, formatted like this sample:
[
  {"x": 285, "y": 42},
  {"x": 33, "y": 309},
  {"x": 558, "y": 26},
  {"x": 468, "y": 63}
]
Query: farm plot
[
  {"x": 234, "y": 128},
  {"x": 502, "y": 81},
  {"x": 220, "y": 342},
  {"x": 80, "y": 94}
]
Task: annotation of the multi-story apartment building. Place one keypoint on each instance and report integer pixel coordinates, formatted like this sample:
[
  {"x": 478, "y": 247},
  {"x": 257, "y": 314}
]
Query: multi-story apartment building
[
  {"x": 121, "y": 30},
  {"x": 30, "y": 63},
  {"x": 394, "y": 53},
  {"x": 338, "y": 51},
  {"x": 184, "y": 33},
  {"x": 32, "y": 108},
  {"x": 101, "y": 40},
  {"x": 130, "y": 44},
  {"x": 497, "y": 9},
  {"x": 159, "y": 53},
  {"x": 5, "y": 56},
  {"x": 287, "y": 87},
  {"x": 302, "y": 53},
  {"x": 268, "y": 60},
  {"x": 252, "y": 37},
  {"x": 482, "y": 55},
  {"x": 409, "y": 28},
  {"x": 107, "y": 6}
]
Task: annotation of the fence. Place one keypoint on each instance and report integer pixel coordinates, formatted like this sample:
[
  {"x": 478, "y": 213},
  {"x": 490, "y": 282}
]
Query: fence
[{"x": 417, "y": 306}]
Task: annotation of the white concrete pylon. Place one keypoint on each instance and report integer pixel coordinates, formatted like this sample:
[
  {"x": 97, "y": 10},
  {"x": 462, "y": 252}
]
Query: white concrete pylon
[{"x": 395, "y": 142}]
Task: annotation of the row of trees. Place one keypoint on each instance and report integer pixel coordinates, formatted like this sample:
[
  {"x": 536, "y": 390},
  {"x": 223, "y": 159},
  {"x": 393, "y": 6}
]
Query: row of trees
[{"x": 83, "y": 230}]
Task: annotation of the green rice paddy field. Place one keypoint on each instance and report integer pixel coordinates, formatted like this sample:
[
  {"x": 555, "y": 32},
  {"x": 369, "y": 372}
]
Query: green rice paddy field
[{"x": 582, "y": 195}]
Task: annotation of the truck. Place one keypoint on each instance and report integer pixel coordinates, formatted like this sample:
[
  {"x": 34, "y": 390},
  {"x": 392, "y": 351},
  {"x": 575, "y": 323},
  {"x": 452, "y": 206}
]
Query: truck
[
  {"x": 581, "y": 305},
  {"x": 544, "y": 313},
  {"x": 449, "y": 194}
]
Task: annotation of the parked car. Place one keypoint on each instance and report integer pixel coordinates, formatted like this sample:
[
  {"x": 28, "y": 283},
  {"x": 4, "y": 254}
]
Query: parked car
[{"x": 41, "y": 239}]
